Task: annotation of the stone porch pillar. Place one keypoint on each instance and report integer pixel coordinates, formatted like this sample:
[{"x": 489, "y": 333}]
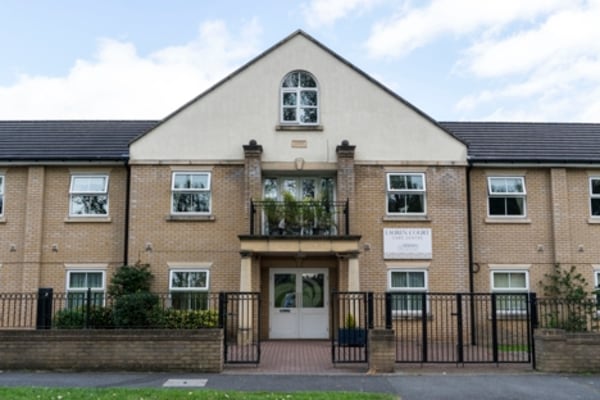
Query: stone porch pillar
[
  {"x": 353, "y": 273},
  {"x": 252, "y": 170}
]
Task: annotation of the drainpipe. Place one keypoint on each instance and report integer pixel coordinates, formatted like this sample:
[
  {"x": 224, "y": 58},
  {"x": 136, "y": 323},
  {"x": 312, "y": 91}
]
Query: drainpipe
[
  {"x": 127, "y": 202},
  {"x": 470, "y": 252}
]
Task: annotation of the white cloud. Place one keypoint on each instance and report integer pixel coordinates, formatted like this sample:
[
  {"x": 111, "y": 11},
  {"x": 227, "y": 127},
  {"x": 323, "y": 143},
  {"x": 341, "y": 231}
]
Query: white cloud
[
  {"x": 327, "y": 12},
  {"x": 120, "y": 83},
  {"x": 550, "y": 70},
  {"x": 411, "y": 28}
]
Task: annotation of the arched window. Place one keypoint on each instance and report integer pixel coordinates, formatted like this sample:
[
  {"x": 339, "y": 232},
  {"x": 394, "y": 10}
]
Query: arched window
[{"x": 299, "y": 99}]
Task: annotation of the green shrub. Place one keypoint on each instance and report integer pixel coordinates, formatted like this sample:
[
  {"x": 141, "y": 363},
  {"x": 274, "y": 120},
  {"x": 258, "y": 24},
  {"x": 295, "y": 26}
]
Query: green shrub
[
  {"x": 130, "y": 279},
  {"x": 189, "y": 319},
  {"x": 100, "y": 317},
  {"x": 137, "y": 310}
]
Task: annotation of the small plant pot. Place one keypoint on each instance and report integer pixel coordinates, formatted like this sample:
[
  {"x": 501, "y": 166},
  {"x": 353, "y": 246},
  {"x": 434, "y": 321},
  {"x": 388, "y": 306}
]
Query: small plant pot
[{"x": 352, "y": 337}]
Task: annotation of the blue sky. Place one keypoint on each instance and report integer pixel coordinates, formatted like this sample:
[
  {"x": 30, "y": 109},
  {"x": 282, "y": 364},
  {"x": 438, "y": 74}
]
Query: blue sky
[{"x": 534, "y": 60}]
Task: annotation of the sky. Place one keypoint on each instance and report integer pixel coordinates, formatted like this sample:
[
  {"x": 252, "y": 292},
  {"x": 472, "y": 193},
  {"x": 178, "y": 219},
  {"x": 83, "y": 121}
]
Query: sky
[{"x": 455, "y": 60}]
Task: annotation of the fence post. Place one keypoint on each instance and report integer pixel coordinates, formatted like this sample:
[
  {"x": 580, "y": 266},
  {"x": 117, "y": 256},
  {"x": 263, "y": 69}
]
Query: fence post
[
  {"x": 388, "y": 310},
  {"x": 494, "y": 328},
  {"x": 459, "y": 326},
  {"x": 534, "y": 323},
  {"x": 370, "y": 310},
  {"x": 44, "y": 308},
  {"x": 424, "y": 349},
  {"x": 88, "y": 307}
]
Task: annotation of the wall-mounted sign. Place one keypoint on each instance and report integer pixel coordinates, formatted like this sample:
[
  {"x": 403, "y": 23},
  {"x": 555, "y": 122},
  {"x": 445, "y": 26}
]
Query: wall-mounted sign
[{"x": 407, "y": 243}]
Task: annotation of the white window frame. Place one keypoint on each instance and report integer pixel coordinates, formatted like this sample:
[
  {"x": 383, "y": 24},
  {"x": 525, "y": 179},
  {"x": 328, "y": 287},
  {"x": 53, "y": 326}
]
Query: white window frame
[
  {"x": 297, "y": 90},
  {"x": 73, "y": 192},
  {"x": 408, "y": 290},
  {"x": 207, "y": 189},
  {"x": 391, "y": 191},
  {"x": 101, "y": 289},
  {"x": 593, "y": 196},
  {"x": 189, "y": 289},
  {"x": 2, "y": 205},
  {"x": 506, "y": 195},
  {"x": 509, "y": 290}
]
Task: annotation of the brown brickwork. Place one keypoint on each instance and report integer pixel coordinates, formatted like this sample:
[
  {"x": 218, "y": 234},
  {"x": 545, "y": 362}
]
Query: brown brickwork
[
  {"x": 560, "y": 351},
  {"x": 97, "y": 350}
]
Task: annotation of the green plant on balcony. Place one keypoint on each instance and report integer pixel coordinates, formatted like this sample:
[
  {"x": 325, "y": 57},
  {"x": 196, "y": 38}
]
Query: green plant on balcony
[
  {"x": 273, "y": 216},
  {"x": 292, "y": 214}
]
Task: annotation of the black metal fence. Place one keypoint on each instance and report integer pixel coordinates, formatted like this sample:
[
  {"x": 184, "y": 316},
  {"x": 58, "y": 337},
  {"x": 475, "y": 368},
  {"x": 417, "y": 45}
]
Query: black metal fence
[
  {"x": 308, "y": 217},
  {"x": 352, "y": 314},
  {"x": 572, "y": 315},
  {"x": 241, "y": 327}
]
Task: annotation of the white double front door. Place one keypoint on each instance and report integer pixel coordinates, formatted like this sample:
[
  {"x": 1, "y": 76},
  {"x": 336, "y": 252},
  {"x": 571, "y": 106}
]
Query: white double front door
[{"x": 299, "y": 303}]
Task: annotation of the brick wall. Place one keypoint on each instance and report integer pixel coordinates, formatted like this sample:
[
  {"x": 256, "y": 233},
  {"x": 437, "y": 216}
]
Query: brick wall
[
  {"x": 559, "y": 351},
  {"x": 147, "y": 350}
]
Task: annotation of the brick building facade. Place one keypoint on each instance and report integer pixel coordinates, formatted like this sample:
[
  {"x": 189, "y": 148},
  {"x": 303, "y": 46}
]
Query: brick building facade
[{"x": 411, "y": 204}]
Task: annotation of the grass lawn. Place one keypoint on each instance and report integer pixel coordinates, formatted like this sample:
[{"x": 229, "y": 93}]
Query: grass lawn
[{"x": 175, "y": 394}]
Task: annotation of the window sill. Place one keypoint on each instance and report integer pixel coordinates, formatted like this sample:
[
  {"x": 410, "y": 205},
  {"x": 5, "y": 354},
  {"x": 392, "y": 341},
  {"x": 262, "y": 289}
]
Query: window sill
[
  {"x": 507, "y": 220},
  {"x": 196, "y": 218},
  {"x": 294, "y": 128},
  {"x": 2, "y": 220},
  {"x": 594, "y": 220},
  {"x": 388, "y": 218},
  {"x": 88, "y": 220}
]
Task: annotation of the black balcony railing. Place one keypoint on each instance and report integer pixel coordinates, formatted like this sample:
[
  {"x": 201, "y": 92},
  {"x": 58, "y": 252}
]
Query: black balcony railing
[{"x": 299, "y": 218}]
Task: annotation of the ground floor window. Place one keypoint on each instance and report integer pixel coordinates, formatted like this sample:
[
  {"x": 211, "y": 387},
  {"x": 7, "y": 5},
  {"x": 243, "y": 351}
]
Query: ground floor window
[
  {"x": 189, "y": 289},
  {"x": 80, "y": 282},
  {"x": 407, "y": 288},
  {"x": 512, "y": 288}
]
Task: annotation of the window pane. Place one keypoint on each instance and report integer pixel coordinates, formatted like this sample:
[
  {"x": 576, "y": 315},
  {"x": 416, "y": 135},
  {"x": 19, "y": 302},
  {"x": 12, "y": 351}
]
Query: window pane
[
  {"x": 399, "y": 279},
  {"x": 306, "y": 80},
  {"x": 514, "y": 206},
  {"x": 289, "y": 185},
  {"x": 514, "y": 185},
  {"x": 308, "y": 98},
  {"x": 501, "y": 280},
  {"x": 511, "y": 302},
  {"x": 497, "y": 206},
  {"x": 94, "y": 280},
  {"x": 197, "y": 279},
  {"x": 289, "y": 114},
  {"x": 89, "y": 184},
  {"x": 179, "y": 279},
  {"x": 397, "y": 181},
  {"x": 289, "y": 99},
  {"x": 1, "y": 184},
  {"x": 191, "y": 202},
  {"x": 414, "y": 182},
  {"x": 270, "y": 188},
  {"x": 416, "y": 279},
  {"x": 199, "y": 181},
  {"x": 308, "y": 188},
  {"x": 407, "y": 302},
  {"x": 308, "y": 115},
  {"x": 595, "y": 206},
  {"x": 415, "y": 203},
  {"x": 497, "y": 185},
  {"x": 312, "y": 290},
  {"x": 189, "y": 300},
  {"x": 595, "y": 186},
  {"x": 89, "y": 204},
  {"x": 182, "y": 181},
  {"x": 518, "y": 281},
  {"x": 77, "y": 280},
  {"x": 291, "y": 80},
  {"x": 285, "y": 290}
]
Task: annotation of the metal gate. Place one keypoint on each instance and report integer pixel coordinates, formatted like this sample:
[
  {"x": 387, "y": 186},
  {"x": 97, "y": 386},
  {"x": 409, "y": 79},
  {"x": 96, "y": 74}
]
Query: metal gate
[
  {"x": 240, "y": 320},
  {"x": 351, "y": 319},
  {"x": 462, "y": 327}
]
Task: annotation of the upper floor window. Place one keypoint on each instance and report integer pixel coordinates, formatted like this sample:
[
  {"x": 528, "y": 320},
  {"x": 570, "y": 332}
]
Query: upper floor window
[
  {"x": 189, "y": 289},
  {"x": 1, "y": 195},
  {"x": 190, "y": 193},
  {"x": 513, "y": 287},
  {"x": 405, "y": 193},
  {"x": 78, "y": 284},
  {"x": 89, "y": 195},
  {"x": 506, "y": 196},
  {"x": 299, "y": 99},
  {"x": 408, "y": 287},
  {"x": 595, "y": 196}
]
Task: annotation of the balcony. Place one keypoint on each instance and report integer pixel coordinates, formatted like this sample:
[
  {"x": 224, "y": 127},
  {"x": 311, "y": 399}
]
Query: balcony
[{"x": 299, "y": 218}]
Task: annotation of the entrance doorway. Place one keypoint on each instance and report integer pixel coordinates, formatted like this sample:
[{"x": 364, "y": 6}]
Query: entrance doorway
[{"x": 299, "y": 303}]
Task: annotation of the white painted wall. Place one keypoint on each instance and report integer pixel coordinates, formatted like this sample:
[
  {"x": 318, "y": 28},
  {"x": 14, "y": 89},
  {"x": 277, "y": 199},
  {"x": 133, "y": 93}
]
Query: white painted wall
[{"x": 245, "y": 107}]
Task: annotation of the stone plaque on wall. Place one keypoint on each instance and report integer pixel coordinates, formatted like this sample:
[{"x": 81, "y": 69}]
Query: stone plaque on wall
[{"x": 407, "y": 243}]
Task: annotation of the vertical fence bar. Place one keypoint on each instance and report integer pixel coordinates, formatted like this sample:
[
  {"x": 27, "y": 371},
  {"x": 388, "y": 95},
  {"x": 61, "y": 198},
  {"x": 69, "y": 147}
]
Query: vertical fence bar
[
  {"x": 533, "y": 324},
  {"x": 459, "y": 328},
  {"x": 388, "y": 311},
  {"x": 424, "y": 327},
  {"x": 370, "y": 309},
  {"x": 494, "y": 328}
]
